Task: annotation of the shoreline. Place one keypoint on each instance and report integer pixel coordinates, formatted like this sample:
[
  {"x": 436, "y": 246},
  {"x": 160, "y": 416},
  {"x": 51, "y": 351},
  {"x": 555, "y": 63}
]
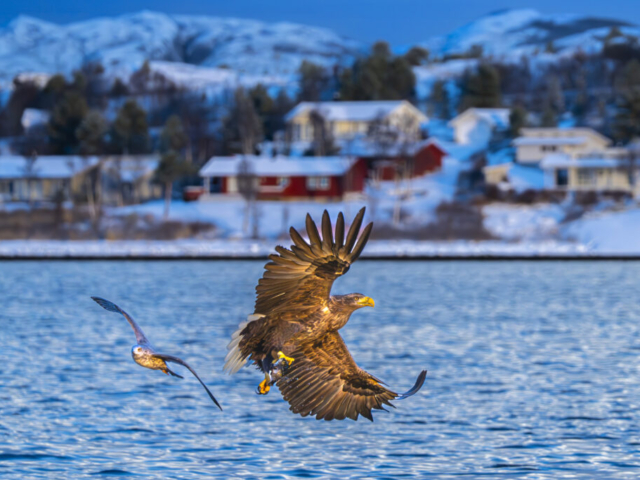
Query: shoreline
[{"x": 382, "y": 250}]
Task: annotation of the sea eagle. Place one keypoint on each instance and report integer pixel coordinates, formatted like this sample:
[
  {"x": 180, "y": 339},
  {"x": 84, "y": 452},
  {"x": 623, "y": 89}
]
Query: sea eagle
[{"x": 293, "y": 336}]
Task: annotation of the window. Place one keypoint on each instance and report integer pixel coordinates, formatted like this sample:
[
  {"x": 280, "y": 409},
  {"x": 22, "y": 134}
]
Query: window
[
  {"x": 283, "y": 182},
  {"x": 586, "y": 177},
  {"x": 549, "y": 148},
  {"x": 318, "y": 183},
  {"x": 562, "y": 177}
]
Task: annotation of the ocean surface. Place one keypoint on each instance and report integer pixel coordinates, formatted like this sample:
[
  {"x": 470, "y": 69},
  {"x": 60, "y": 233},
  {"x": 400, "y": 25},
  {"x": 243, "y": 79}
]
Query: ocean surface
[{"x": 533, "y": 373}]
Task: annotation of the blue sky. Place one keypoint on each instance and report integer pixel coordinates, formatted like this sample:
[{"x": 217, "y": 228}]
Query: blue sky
[{"x": 401, "y": 22}]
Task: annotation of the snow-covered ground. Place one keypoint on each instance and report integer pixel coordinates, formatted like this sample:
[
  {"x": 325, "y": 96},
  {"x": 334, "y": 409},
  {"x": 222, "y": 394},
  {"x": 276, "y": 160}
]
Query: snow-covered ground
[
  {"x": 608, "y": 232},
  {"x": 420, "y": 198},
  {"x": 530, "y": 223},
  {"x": 260, "y": 249}
]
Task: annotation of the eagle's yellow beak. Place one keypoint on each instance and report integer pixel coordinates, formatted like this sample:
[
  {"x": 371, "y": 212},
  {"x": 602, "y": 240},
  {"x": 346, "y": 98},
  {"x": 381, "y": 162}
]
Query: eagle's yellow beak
[{"x": 366, "y": 302}]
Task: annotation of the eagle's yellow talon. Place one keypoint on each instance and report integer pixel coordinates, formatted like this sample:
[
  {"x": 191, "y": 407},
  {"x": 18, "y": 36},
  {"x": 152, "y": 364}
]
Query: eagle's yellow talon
[
  {"x": 282, "y": 356},
  {"x": 264, "y": 387}
]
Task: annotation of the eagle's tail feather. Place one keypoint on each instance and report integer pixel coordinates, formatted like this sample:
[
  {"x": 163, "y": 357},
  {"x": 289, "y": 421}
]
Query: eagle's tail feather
[{"x": 234, "y": 360}]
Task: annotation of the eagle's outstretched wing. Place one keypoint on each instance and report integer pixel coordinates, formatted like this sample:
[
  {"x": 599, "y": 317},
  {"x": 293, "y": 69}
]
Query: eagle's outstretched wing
[
  {"x": 301, "y": 277},
  {"x": 324, "y": 381}
]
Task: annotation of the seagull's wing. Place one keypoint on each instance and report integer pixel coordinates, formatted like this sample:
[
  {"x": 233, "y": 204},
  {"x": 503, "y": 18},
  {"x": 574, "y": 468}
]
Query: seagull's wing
[
  {"x": 171, "y": 358},
  {"x": 112, "y": 307}
]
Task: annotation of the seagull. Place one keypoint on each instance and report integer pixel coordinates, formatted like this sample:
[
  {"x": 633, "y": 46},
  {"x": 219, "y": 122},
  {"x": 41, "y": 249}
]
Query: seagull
[{"x": 144, "y": 354}]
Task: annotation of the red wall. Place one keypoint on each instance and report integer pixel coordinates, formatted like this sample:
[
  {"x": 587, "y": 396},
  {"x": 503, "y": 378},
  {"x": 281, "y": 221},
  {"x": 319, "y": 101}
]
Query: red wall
[
  {"x": 429, "y": 159},
  {"x": 352, "y": 181}
]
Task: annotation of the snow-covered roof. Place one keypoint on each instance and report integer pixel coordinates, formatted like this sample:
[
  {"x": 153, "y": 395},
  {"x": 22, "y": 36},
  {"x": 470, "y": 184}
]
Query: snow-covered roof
[
  {"x": 554, "y": 132},
  {"x": 352, "y": 111},
  {"x": 527, "y": 141},
  {"x": 496, "y": 117},
  {"x": 34, "y": 116},
  {"x": 131, "y": 168},
  {"x": 364, "y": 147},
  {"x": 565, "y": 161},
  {"x": 14, "y": 166},
  {"x": 278, "y": 166}
]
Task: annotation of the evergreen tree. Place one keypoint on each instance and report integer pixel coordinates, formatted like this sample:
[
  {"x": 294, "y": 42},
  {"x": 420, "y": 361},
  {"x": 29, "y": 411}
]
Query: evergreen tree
[
  {"x": 549, "y": 118},
  {"x": 130, "y": 131},
  {"x": 172, "y": 167},
  {"x": 628, "y": 79},
  {"x": 381, "y": 76},
  {"x": 173, "y": 136},
  {"x": 417, "y": 56},
  {"x": 626, "y": 125},
  {"x": 481, "y": 89},
  {"x": 119, "y": 89},
  {"x": 555, "y": 95},
  {"x": 173, "y": 164},
  {"x": 242, "y": 126},
  {"x": 67, "y": 115},
  {"x": 440, "y": 99},
  {"x": 314, "y": 80},
  {"x": 265, "y": 108},
  {"x": 581, "y": 102},
  {"x": 91, "y": 133},
  {"x": 517, "y": 120},
  {"x": 23, "y": 96}
]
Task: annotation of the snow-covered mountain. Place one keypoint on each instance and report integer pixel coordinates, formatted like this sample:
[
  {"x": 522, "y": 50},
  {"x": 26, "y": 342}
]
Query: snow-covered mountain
[
  {"x": 123, "y": 43},
  {"x": 525, "y": 31}
]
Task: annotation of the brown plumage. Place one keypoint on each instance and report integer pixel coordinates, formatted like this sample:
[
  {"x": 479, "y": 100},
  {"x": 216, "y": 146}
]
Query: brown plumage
[{"x": 297, "y": 318}]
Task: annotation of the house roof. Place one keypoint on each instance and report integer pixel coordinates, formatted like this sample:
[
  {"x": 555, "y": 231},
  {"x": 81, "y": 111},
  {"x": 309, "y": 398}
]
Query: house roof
[
  {"x": 525, "y": 141},
  {"x": 15, "y": 167},
  {"x": 279, "y": 166},
  {"x": 565, "y": 161},
  {"x": 497, "y": 117},
  {"x": 352, "y": 111},
  {"x": 131, "y": 168},
  {"x": 364, "y": 147},
  {"x": 548, "y": 133}
]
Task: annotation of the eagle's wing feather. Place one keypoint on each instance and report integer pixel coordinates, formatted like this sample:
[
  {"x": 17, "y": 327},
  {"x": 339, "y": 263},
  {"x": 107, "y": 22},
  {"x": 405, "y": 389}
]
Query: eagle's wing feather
[
  {"x": 301, "y": 277},
  {"x": 324, "y": 381}
]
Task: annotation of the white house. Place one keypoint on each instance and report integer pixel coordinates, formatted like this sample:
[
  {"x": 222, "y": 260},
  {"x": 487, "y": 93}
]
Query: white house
[
  {"x": 24, "y": 179},
  {"x": 477, "y": 125},
  {"x": 348, "y": 120},
  {"x": 589, "y": 173},
  {"x": 534, "y": 144}
]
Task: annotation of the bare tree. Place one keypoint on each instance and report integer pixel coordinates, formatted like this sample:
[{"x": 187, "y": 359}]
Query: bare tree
[
  {"x": 632, "y": 163},
  {"x": 248, "y": 185},
  {"x": 322, "y": 136},
  {"x": 30, "y": 174},
  {"x": 408, "y": 136}
]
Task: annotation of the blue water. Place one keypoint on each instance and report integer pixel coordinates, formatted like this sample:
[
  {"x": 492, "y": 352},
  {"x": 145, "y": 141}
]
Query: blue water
[{"x": 533, "y": 372}]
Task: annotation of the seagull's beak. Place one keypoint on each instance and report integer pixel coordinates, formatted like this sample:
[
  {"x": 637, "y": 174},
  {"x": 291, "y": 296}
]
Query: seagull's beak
[{"x": 366, "y": 302}]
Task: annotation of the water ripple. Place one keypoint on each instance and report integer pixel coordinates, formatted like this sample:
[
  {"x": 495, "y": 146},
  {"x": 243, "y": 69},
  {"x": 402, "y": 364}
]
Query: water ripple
[{"x": 533, "y": 372}]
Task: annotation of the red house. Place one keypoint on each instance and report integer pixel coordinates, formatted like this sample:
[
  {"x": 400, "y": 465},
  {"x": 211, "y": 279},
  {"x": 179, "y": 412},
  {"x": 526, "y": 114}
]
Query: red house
[
  {"x": 287, "y": 178},
  {"x": 424, "y": 158}
]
